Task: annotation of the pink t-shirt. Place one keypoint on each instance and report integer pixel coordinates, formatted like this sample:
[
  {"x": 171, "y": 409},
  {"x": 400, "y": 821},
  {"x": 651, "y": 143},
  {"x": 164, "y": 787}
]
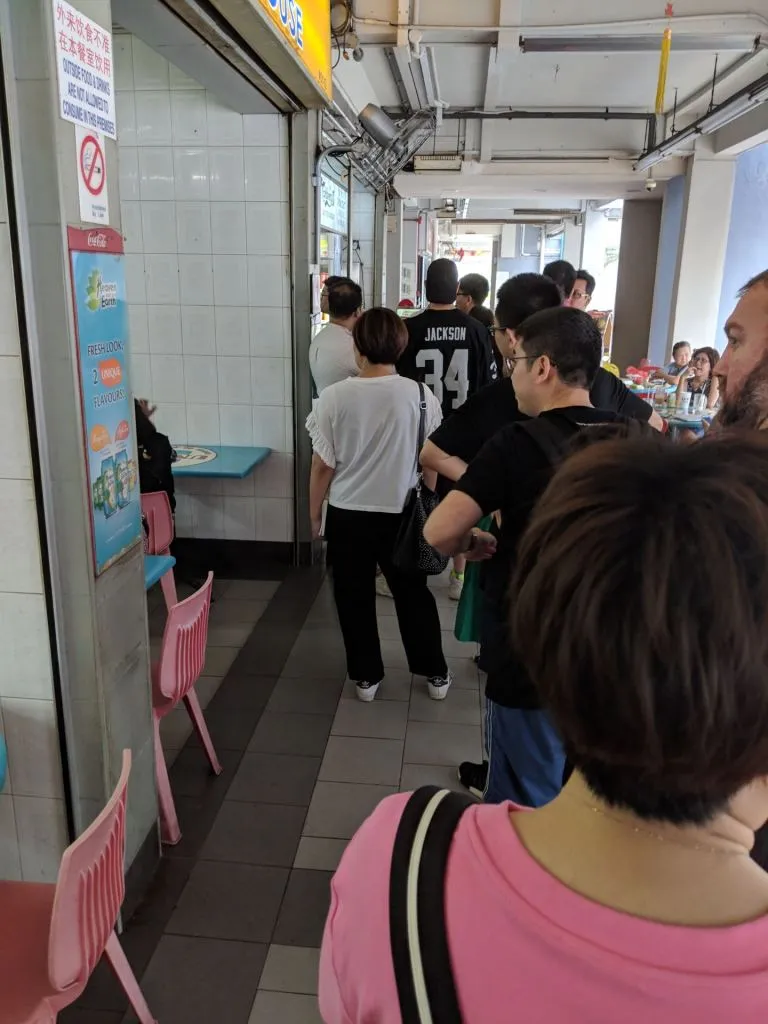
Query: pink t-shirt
[{"x": 526, "y": 948}]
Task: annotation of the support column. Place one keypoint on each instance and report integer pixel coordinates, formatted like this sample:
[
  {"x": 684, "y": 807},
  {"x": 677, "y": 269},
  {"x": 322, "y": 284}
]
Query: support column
[
  {"x": 394, "y": 255},
  {"x": 380, "y": 249},
  {"x": 640, "y": 230},
  {"x": 574, "y": 240}
]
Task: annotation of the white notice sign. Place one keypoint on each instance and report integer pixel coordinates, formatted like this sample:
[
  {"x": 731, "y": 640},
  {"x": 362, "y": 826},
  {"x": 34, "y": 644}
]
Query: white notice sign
[
  {"x": 92, "y": 176},
  {"x": 85, "y": 70}
]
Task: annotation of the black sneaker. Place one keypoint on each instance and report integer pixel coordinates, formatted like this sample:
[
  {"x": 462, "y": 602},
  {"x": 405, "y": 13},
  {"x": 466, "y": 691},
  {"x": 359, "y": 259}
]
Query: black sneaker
[{"x": 474, "y": 777}]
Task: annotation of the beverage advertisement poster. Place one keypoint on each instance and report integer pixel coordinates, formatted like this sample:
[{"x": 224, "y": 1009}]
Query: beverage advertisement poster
[{"x": 101, "y": 320}]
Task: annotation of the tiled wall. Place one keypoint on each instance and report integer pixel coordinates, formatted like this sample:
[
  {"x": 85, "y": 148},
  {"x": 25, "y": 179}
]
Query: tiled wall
[
  {"x": 32, "y": 818},
  {"x": 204, "y": 195}
]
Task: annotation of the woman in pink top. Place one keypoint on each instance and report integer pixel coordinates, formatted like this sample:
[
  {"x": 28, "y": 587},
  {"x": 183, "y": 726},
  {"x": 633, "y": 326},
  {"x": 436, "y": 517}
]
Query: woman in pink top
[{"x": 632, "y": 897}]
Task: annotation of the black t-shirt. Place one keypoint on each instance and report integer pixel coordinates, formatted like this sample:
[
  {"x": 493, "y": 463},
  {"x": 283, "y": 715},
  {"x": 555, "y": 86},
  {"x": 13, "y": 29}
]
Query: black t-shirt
[
  {"x": 465, "y": 432},
  {"x": 449, "y": 352},
  {"x": 483, "y": 315},
  {"x": 509, "y": 475}
]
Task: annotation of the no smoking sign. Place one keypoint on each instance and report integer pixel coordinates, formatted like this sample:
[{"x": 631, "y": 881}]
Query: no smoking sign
[{"x": 92, "y": 177}]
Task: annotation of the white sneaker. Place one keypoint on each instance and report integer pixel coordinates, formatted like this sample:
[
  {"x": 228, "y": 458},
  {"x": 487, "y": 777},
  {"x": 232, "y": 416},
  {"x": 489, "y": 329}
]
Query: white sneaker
[
  {"x": 439, "y": 686},
  {"x": 382, "y": 587},
  {"x": 455, "y": 586},
  {"x": 366, "y": 692}
]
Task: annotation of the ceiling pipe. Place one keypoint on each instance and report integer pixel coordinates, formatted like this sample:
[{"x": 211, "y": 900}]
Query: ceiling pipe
[
  {"x": 595, "y": 27},
  {"x": 456, "y": 114}
]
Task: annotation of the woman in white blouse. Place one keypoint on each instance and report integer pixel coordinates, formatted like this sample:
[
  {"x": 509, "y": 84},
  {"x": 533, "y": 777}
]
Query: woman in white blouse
[{"x": 365, "y": 433}]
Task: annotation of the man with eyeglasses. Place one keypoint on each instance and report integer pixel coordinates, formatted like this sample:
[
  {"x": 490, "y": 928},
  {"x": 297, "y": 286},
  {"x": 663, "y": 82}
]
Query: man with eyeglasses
[{"x": 582, "y": 291}]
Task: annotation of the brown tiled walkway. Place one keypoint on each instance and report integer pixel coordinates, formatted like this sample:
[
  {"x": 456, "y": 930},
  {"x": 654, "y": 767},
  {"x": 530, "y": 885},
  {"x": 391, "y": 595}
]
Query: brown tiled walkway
[{"x": 231, "y": 929}]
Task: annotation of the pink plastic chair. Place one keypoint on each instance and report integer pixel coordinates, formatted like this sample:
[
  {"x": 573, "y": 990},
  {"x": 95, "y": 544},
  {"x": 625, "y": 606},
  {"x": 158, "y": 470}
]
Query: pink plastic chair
[
  {"x": 53, "y": 936},
  {"x": 173, "y": 680},
  {"x": 157, "y": 512}
]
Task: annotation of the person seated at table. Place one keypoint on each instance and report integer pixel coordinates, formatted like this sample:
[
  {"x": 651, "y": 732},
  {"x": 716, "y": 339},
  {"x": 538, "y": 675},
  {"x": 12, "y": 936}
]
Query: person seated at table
[
  {"x": 681, "y": 358},
  {"x": 631, "y": 897},
  {"x": 699, "y": 378}
]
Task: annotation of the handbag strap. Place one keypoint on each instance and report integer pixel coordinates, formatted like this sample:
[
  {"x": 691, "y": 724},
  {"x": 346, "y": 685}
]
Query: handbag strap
[
  {"x": 422, "y": 425},
  {"x": 420, "y": 952}
]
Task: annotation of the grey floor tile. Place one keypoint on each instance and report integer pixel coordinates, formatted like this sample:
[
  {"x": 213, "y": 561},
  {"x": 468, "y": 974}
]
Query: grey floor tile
[
  {"x": 317, "y": 854},
  {"x": 233, "y": 613},
  {"x": 461, "y": 707},
  {"x": 196, "y": 981},
  {"x": 279, "y": 733},
  {"x": 78, "y": 1015},
  {"x": 230, "y": 901},
  {"x": 218, "y": 660},
  {"x": 275, "y": 779},
  {"x": 305, "y": 909},
  {"x": 206, "y": 688},
  {"x": 231, "y": 635},
  {"x": 330, "y": 663},
  {"x": 191, "y": 774},
  {"x": 245, "y": 692},
  {"x": 381, "y": 720},
  {"x": 249, "y": 590},
  {"x": 291, "y": 969},
  {"x": 312, "y": 694},
  {"x": 393, "y": 655},
  {"x": 448, "y": 617},
  {"x": 417, "y": 775},
  {"x": 285, "y": 1008},
  {"x": 385, "y": 608},
  {"x": 351, "y": 759},
  {"x": 265, "y": 834},
  {"x": 396, "y": 687},
  {"x": 389, "y": 628},
  {"x": 465, "y": 673},
  {"x": 428, "y": 743},
  {"x": 338, "y": 809},
  {"x": 230, "y": 728},
  {"x": 453, "y": 648}
]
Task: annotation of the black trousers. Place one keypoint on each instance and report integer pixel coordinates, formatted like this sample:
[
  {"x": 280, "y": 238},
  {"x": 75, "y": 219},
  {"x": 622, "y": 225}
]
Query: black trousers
[{"x": 357, "y": 543}]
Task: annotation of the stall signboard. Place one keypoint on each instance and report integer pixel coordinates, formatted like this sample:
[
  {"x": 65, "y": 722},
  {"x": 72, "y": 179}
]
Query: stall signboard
[
  {"x": 305, "y": 25},
  {"x": 101, "y": 322},
  {"x": 334, "y": 214},
  {"x": 85, "y": 70}
]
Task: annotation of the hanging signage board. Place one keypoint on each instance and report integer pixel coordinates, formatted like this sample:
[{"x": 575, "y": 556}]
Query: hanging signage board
[
  {"x": 85, "y": 70},
  {"x": 101, "y": 321},
  {"x": 305, "y": 26},
  {"x": 335, "y": 206},
  {"x": 91, "y": 176}
]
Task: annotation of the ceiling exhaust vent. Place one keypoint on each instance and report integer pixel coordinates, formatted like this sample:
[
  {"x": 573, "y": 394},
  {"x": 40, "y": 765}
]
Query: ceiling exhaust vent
[{"x": 390, "y": 145}]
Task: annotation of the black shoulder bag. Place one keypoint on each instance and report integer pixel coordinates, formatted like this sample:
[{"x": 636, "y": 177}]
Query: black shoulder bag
[
  {"x": 420, "y": 953},
  {"x": 411, "y": 552}
]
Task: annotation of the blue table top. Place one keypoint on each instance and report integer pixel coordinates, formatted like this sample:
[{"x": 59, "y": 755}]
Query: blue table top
[
  {"x": 3, "y": 762},
  {"x": 155, "y": 567},
  {"x": 219, "y": 461}
]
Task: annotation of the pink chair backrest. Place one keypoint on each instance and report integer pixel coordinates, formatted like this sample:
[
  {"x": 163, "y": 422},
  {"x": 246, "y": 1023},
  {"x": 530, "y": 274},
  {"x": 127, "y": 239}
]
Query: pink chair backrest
[
  {"x": 89, "y": 892},
  {"x": 184, "y": 642},
  {"x": 157, "y": 511}
]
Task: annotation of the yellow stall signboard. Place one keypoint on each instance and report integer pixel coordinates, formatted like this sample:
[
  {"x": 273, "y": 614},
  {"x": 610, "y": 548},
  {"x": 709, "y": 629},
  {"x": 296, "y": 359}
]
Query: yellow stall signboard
[{"x": 306, "y": 27}]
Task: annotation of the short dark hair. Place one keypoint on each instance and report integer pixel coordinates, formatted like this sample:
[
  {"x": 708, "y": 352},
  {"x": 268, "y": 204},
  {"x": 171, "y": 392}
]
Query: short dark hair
[
  {"x": 712, "y": 355},
  {"x": 331, "y": 282},
  {"x": 586, "y": 277},
  {"x": 442, "y": 282},
  {"x": 344, "y": 299},
  {"x": 381, "y": 336},
  {"x": 569, "y": 338},
  {"x": 477, "y": 287},
  {"x": 563, "y": 274},
  {"x": 522, "y": 296},
  {"x": 660, "y": 695},
  {"x": 761, "y": 278},
  {"x": 678, "y": 345}
]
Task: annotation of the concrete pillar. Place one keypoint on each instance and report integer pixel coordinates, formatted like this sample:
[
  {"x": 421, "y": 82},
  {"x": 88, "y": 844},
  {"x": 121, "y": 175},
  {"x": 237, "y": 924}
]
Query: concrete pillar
[
  {"x": 394, "y": 255},
  {"x": 574, "y": 239},
  {"x": 592, "y": 257},
  {"x": 380, "y": 249},
  {"x": 660, "y": 346},
  {"x": 637, "y": 275}
]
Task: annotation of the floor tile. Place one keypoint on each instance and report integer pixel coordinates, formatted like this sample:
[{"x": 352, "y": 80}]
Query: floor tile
[
  {"x": 373, "y": 762},
  {"x": 283, "y": 1008},
  {"x": 197, "y": 981},
  {"x": 250, "y": 590},
  {"x": 231, "y": 613},
  {"x": 266, "y": 651},
  {"x": 328, "y": 662},
  {"x": 388, "y": 628},
  {"x": 461, "y": 707},
  {"x": 275, "y": 779},
  {"x": 192, "y": 776},
  {"x": 245, "y": 692},
  {"x": 338, "y": 809},
  {"x": 448, "y": 617},
  {"x": 291, "y": 969},
  {"x": 453, "y": 648},
  {"x": 319, "y": 854},
  {"x": 291, "y": 734},
  {"x": 78, "y": 1015},
  {"x": 218, "y": 660},
  {"x": 230, "y": 728},
  {"x": 230, "y": 901},
  {"x": 206, "y": 689},
  {"x": 380, "y": 720},
  {"x": 427, "y": 743},
  {"x": 231, "y": 635},
  {"x": 251, "y": 833},
  {"x": 305, "y": 909},
  {"x": 309, "y": 695},
  {"x": 396, "y": 687},
  {"x": 385, "y": 608},
  {"x": 393, "y": 655},
  {"x": 196, "y": 816},
  {"x": 417, "y": 775},
  {"x": 465, "y": 673}
]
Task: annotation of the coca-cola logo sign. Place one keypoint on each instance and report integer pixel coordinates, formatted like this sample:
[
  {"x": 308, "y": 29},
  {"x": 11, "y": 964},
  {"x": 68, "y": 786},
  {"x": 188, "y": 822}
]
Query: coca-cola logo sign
[{"x": 97, "y": 240}]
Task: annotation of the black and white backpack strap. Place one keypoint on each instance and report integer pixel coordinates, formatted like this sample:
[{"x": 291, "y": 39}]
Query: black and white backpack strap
[{"x": 420, "y": 951}]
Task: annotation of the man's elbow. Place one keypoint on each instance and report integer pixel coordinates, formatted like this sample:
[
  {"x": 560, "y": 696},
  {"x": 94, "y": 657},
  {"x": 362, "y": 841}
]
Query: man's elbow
[
  {"x": 438, "y": 537},
  {"x": 430, "y": 457}
]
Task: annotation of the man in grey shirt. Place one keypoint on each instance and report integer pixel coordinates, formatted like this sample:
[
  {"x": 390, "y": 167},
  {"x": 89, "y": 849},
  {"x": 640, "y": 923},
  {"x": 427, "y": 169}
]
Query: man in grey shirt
[{"x": 332, "y": 352}]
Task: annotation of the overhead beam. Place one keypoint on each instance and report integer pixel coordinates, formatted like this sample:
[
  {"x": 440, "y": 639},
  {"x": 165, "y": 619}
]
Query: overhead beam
[
  {"x": 746, "y": 132},
  {"x": 403, "y": 21},
  {"x": 510, "y": 17}
]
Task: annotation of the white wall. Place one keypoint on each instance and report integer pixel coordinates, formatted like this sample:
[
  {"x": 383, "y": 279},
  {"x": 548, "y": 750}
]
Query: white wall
[
  {"x": 206, "y": 223},
  {"x": 364, "y": 231}
]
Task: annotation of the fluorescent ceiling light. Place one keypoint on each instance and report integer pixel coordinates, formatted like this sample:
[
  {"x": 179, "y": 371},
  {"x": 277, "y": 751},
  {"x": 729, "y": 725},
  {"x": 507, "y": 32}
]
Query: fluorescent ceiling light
[{"x": 634, "y": 44}]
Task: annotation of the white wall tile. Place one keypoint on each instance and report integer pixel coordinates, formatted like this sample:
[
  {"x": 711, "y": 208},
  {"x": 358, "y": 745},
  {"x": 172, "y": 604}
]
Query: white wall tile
[
  {"x": 41, "y": 826},
  {"x": 167, "y": 379},
  {"x": 125, "y": 115},
  {"x": 129, "y": 173},
  {"x": 263, "y": 183},
  {"x": 192, "y": 173},
  {"x": 162, "y": 278},
  {"x": 201, "y": 380},
  {"x": 239, "y": 518},
  {"x": 289, "y": 430},
  {"x": 274, "y": 519},
  {"x": 265, "y": 228},
  {"x": 266, "y": 278},
  {"x": 150, "y": 70},
  {"x": 234, "y": 380},
  {"x": 269, "y": 427},
  {"x": 203, "y": 424},
  {"x": 239, "y": 488},
  {"x": 23, "y": 641},
  {"x": 210, "y": 516},
  {"x": 164, "y": 325},
  {"x": 156, "y": 173},
  {"x": 236, "y": 423},
  {"x": 193, "y": 222},
  {"x": 171, "y": 419},
  {"x": 227, "y": 174},
  {"x": 20, "y": 570},
  {"x": 14, "y": 457},
  {"x": 230, "y": 280},
  {"x": 135, "y": 282},
  {"x": 196, "y": 280},
  {"x": 9, "y": 329},
  {"x": 158, "y": 225},
  {"x": 274, "y": 478},
  {"x": 198, "y": 330},
  {"x": 268, "y": 381},
  {"x": 32, "y": 738},
  {"x": 130, "y": 220},
  {"x": 122, "y": 48},
  {"x": 232, "y": 332},
  {"x": 189, "y": 115},
  {"x": 138, "y": 328},
  {"x": 10, "y": 863},
  {"x": 262, "y": 130},
  {"x": 141, "y": 375},
  {"x": 225, "y": 126},
  {"x": 228, "y": 231},
  {"x": 153, "y": 119},
  {"x": 270, "y": 334}
]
